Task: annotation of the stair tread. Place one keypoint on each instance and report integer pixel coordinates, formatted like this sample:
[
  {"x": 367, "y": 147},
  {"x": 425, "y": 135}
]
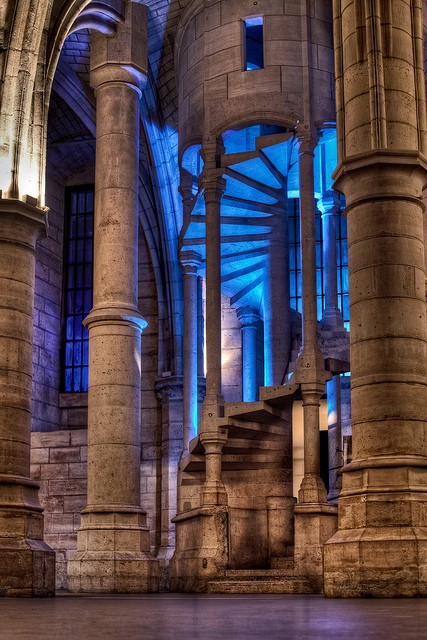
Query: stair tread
[
  {"x": 285, "y": 585},
  {"x": 279, "y": 395},
  {"x": 258, "y": 411},
  {"x": 243, "y": 574}
]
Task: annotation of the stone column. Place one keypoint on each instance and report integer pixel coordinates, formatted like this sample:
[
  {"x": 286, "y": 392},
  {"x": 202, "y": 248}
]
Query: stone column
[
  {"x": 380, "y": 548},
  {"x": 27, "y": 564},
  {"x": 335, "y": 445},
  {"x": 169, "y": 391},
  {"x": 310, "y": 365},
  {"x": 190, "y": 262},
  {"x": 315, "y": 520},
  {"x": 200, "y": 330},
  {"x": 113, "y": 539},
  {"x": 211, "y": 435},
  {"x": 277, "y": 313},
  {"x": 329, "y": 207},
  {"x": 248, "y": 318}
]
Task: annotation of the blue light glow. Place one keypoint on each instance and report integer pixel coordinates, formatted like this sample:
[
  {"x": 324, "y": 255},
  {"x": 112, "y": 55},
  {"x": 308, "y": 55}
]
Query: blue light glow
[{"x": 261, "y": 169}]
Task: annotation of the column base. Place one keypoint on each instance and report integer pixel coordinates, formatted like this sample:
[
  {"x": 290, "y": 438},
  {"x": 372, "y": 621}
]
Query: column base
[
  {"x": 314, "y": 525},
  {"x": 163, "y": 558},
  {"x": 113, "y": 572},
  {"x": 27, "y": 569},
  {"x": 201, "y": 549},
  {"x": 214, "y": 494},
  {"x": 386, "y": 562},
  {"x": 332, "y": 320},
  {"x": 27, "y": 564},
  {"x": 113, "y": 555},
  {"x": 312, "y": 491}
]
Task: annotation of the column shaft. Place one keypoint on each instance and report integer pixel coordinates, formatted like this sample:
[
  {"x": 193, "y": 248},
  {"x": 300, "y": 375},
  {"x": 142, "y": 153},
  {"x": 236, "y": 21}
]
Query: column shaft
[
  {"x": 27, "y": 564},
  {"x": 277, "y": 315},
  {"x": 113, "y": 521},
  {"x": 382, "y": 172},
  {"x": 310, "y": 366},
  {"x": 190, "y": 261},
  {"x": 335, "y": 443},
  {"x": 248, "y": 318},
  {"x": 329, "y": 206},
  {"x": 213, "y": 188},
  {"x": 212, "y": 436}
]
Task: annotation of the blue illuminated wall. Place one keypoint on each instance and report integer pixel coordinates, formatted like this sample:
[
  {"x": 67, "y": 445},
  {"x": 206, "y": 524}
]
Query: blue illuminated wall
[{"x": 78, "y": 257}]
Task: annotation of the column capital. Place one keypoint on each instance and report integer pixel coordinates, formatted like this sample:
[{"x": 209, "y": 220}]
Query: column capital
[
  {"x": 19, "y": 215},
  {"x": 124, "y": 56},
  {"x": 329, "y": 203},
  {"x": 185, "y": 187},
  {"x": 190, "y": 261},
  {"x": 211, "y": 151},
  {"x": 307, "y": 140},
  {"x": 169, "y": 388},
  {"x": 213, "y": 183},
  {"x": 248, "y": 316},
  {"x": 312, "y": 392},
  {"x": 213, "y": 441}
]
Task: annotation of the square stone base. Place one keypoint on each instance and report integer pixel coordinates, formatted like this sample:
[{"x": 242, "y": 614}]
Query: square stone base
[
  {"x": 202, "y": 552},
  {"x": 387, "y": 562},
  {"x": 27, "y": 568},
  {"x": 314, "y": 525},
  {"x": 112, "y": 572}
]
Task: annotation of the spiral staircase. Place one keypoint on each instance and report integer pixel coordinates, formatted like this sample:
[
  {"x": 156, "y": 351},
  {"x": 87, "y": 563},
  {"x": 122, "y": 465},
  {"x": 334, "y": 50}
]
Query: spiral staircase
[{"x": 257, "y": 455}]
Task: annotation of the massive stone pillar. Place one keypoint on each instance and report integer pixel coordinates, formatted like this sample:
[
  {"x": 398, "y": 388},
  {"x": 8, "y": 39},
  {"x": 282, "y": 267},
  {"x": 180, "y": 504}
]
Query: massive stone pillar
[
  {"x": 113, "y": 539},
  {"x": 380, "y": 548},
  {"x": 248, "y": 318},
  {"x": 27, "y": 564},
  {"x": 315, "y": 520},
  {"x": 190, "y": 262}
]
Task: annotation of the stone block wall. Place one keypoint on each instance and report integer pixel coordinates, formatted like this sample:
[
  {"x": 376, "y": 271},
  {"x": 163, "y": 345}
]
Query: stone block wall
[
  {"x": 59, "y": 464},
  {"x": 47, "y": 316},
  {"x": 231, "y": 338},
  {"x": 214, "y": 89}
]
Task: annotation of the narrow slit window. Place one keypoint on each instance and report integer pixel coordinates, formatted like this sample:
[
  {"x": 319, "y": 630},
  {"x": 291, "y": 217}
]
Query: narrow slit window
[
  {"x": 254, "y": 43},
  {"x": 78, "y": 286}
]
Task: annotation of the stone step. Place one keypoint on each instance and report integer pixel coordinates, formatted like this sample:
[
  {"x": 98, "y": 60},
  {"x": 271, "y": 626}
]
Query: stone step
[
  {"x": 285, "y": 564},
  {"x": 253, "y": 430},
  {"x": 258, "y": 574},
  {"x": 248, "y": 445},
  {"x": 281, "y": 396},
  {"x": 252, "y": 460},
  {"x": 284, "y": 585},
  {"x": 260, "y": 412}
]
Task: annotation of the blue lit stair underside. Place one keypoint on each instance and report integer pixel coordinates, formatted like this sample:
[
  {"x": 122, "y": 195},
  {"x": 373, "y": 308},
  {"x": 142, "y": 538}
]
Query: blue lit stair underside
[{"x": 258, "y": 184}]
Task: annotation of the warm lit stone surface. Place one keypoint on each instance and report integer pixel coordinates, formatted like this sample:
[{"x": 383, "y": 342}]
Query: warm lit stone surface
[
  {"x": 27, "y": 564},
  {"x": 380, "y": 546}
]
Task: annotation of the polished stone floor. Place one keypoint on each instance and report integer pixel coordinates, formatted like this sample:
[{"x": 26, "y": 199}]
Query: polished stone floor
[{"x": 210, "y": 617}]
